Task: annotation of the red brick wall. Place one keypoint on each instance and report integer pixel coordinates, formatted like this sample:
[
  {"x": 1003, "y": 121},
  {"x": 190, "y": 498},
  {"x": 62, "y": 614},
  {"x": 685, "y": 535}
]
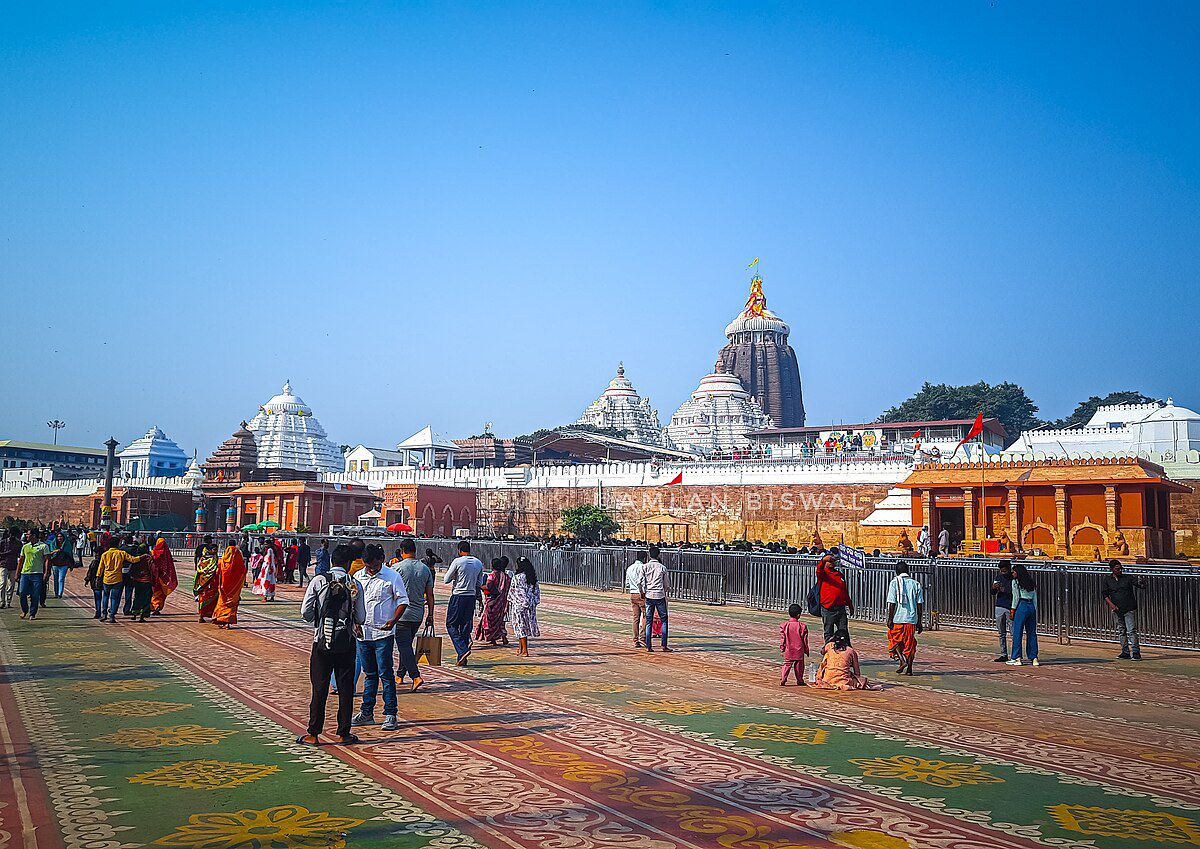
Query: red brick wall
[
  {"x": 716, "y": 512},
  {"x": 73, "y": 509},
  {"x": 1185, "y": 519},
  {"x": 437, "y": 510}
]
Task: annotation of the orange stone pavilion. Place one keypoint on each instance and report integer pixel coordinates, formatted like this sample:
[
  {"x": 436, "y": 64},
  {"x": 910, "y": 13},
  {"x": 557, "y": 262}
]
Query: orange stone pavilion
[{"x": 1078, "y": 508}]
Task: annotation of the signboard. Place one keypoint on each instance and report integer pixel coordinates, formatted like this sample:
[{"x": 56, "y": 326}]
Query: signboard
[{"x": 855, "y": 557}]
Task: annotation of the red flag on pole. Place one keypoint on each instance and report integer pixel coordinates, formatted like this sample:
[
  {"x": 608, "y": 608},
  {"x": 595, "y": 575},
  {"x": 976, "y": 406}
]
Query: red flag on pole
[
  {"x": 678, "y": 479},
  {"x": 917, "y": 435},
  {"x": 976, "y": 429}
]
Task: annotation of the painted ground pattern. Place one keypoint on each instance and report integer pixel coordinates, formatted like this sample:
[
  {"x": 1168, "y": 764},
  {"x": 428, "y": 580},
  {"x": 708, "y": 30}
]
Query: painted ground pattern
[{"x": 173, "y": 733}]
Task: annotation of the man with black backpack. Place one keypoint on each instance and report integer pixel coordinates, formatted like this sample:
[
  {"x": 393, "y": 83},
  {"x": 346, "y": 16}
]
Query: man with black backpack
[{"x": 337, "y": 612}]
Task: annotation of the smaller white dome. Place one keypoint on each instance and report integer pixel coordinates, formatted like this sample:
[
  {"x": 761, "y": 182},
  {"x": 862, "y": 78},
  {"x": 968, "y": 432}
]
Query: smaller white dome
[
  {"x": 620, "y": 386},
  {"x": 720, "y": 385},
  {"x": 1170, "y": 413}
]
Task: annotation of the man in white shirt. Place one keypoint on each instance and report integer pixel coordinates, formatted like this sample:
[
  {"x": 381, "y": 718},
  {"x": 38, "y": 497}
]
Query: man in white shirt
[
  {"x": 905, "y": 606},
  {"x": 943, "y": 542},
  {"x": 384, "y": 601},
  {"x": 633, "y": 582},
  {"x": 465, "y": 575},
  {"x": 653, "y": 589}
]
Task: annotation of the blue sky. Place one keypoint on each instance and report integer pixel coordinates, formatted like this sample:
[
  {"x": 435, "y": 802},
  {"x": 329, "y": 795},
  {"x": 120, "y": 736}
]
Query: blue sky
[{"x": 459, "y": 213}]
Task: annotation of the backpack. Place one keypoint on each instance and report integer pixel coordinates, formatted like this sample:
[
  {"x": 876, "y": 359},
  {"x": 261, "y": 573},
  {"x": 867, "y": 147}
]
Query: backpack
[
  {"x": 335, "y": 616},
  {"x": 814, "y": 600}
]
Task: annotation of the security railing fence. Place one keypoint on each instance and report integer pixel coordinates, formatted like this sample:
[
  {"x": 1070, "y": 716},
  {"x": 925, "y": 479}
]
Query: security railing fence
[{"x": 957, "y": 590}]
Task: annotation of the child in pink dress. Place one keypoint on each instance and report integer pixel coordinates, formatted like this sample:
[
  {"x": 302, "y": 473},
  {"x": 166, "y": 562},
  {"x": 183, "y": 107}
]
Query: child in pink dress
[{"x": 793, "y": 645}]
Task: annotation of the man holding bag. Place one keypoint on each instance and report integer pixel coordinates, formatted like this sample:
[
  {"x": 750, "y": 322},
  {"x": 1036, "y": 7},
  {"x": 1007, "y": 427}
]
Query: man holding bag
[{"x": 418, "y": 583}]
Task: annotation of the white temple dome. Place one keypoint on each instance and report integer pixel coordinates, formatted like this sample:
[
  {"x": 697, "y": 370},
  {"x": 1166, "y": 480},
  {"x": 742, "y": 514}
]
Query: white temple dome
[
  {"x": 153, "y": 455},
  {"x": 621, "y": 408},
  {"x": 1170, "y": 413},
  {"x": 717, "y": 417},
  {"x": 290, "y": 437},
  {"x": 767, "y": 322}
]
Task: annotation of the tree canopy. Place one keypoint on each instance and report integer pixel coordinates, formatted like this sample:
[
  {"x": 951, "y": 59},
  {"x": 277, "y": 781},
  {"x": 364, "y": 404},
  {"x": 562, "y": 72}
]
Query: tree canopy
[
  {"x": 1004, "y": 401},
  {"x": 1085, "y": 409},
  {"x": 589, "y": 523}
]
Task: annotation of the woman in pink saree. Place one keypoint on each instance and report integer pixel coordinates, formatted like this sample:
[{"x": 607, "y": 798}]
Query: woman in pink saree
[
  {"x": 495, "y": 605},
  {"x": 269, "y": 574},
  {"x": 162, "y": 576}
]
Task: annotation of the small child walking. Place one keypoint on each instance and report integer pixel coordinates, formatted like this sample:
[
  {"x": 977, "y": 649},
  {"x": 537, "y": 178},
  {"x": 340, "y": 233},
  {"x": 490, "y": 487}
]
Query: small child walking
[{"x": 793, "y": 645}]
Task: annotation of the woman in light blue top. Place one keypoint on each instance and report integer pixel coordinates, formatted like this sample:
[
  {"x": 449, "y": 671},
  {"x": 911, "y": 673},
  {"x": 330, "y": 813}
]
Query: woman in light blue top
[{"x": 1024, "y": 615}]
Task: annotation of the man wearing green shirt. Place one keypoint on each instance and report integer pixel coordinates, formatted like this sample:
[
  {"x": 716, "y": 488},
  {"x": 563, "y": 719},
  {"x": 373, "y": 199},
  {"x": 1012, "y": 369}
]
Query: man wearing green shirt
[{"x": 34, "y": 568}]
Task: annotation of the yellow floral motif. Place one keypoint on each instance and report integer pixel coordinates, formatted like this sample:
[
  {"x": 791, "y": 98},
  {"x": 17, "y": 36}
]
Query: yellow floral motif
[
  {"x": 1150, "y": 826},
  {"x": 137, "y": 707},
  {"x": 780, "y": 733},
  {"x": 863, "y": 839},
  {"x": 119, "y": 685},
  {"x": 81, "y": 655},
  {"x": 523, "y": 669},
  {"x": 169, "y": 735},
  {"x": 597, "y": 687},
  {"x": 204, "y": 775},
  {"x": 936, "y": 773},
  {"x": 281, "y": 827},
  {"x": 676, "y": 707},
  {"x": 110, "y": 666}
]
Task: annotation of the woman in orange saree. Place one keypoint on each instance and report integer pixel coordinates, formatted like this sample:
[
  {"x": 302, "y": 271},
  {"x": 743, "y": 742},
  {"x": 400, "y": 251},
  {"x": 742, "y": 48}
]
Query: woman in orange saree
[
  {"x": 163, "y": 579},
  {"x": 232, "y": 577}
]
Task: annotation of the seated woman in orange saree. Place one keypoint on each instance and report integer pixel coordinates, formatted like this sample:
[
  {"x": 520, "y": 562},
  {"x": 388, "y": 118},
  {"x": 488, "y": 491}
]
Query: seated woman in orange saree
[
  {"x": 207, "y": 585},
  {"x": 163, "y": 579},
  {"x": 839, "y": 669},
  {"x": 232, "y": 577}
]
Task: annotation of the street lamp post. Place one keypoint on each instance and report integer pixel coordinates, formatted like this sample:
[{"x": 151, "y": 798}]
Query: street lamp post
[{"x": 56, "y": 425}]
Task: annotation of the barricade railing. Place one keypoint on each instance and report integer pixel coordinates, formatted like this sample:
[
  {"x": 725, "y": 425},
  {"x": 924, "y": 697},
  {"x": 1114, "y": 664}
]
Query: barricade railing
[{"x": 958, "y": 591}]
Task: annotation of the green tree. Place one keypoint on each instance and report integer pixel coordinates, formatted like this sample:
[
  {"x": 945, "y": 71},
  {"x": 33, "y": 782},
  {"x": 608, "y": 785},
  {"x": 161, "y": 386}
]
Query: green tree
[
  {"x": 1004, "y": 401},
  {"x": 589, "y": 523},
  {"x": 1085, "y": 409}
]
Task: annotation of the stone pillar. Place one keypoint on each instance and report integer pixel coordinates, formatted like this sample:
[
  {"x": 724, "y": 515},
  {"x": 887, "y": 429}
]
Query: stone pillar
[
  {"x": 110, "y": 467},
  {"x": 1014, "y": 517},
  {"x": 201, "y": 518},
  {"x": 1110, "y": 510},
  {"x": 968, "y": 512},
  {"x": 926, "y": 506},
  {"x": 1060, "y": 502}
]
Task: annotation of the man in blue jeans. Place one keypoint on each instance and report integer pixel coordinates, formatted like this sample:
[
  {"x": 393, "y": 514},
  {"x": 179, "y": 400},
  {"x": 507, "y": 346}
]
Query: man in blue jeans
[
  {"x": 465, "y": 575},
  {"x": 384, "y": 602},
  {"x": 654, "y": 588},
  {"x": 34, "y": 567}
]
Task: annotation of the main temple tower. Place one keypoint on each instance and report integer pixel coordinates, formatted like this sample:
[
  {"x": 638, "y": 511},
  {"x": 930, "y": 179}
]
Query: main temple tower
[{"x": 759, "y": 354}]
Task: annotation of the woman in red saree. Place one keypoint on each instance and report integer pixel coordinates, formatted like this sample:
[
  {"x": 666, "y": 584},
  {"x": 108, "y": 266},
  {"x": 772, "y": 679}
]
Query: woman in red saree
[
  {"x": 232, "y": 577},
  {"x": 163, "y": 579},
  {"x": 495, "y": 606},
  {"x": 207, "y": 585}
]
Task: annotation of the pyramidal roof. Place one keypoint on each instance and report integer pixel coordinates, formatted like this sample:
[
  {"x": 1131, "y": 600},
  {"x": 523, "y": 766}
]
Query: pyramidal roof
[
  {"x": 426, "y": 438},
  {"x": 620, "y": 407},
  {"x": 154, "y": 442},
  {"x": 290, "y": 437},
  {"x": 717, "y": 417}
]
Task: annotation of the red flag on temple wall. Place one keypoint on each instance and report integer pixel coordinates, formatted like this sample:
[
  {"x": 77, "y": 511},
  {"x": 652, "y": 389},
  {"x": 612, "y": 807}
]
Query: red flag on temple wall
[
  {"x": 976, "y": 429},
  {"x": 917, "y": 435},
  {"x": 675, "y": 480}
]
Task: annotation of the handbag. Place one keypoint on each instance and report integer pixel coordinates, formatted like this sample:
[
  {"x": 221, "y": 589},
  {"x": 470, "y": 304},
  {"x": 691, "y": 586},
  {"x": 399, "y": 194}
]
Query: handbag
[{"x": 429, "y": 646}]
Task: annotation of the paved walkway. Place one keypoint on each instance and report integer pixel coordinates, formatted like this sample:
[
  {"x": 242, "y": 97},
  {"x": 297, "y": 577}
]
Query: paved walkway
[{"x": 172, "y": 733}]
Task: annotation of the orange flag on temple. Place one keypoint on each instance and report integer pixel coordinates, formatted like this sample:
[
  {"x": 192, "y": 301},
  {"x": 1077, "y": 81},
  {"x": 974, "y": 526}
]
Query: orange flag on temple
[
  {"x": 675, "y": 480},
  {"x": 976, "y": 429}
]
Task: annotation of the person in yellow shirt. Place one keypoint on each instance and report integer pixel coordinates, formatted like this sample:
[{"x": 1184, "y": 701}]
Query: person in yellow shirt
[
  {"x": 112, "y": 562},
  {"x": 358, "y": 546}
]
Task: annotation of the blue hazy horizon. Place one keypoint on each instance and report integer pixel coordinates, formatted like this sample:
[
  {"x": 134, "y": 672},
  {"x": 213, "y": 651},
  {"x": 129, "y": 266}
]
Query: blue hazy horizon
[{"x": 453, "y": 214}]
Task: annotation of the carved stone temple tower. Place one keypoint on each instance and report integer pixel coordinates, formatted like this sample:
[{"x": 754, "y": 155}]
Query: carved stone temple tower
[{"x": 759, "y": 354}]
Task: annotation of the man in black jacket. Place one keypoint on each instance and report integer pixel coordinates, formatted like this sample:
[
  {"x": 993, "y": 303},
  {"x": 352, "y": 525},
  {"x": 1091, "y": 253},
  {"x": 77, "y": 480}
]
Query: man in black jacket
[{"x": 1120, "y": 594}]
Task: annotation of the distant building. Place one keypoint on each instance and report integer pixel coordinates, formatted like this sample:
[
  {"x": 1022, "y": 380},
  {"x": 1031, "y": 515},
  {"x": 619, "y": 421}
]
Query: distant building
[
  {"x": 1132, "y": 430},
  {"x": 717, "y": 417},
  {"x": 152, "y": 456},
  {"x": 290, "y": 438},
  {"x": 485, "y": 451},
  {"x": 621, "y": 408},
  {"x": 933, "y": 439},
  {"x": 428, "y": 449},
  {"x": 67, "y": 461},
  {"x": 759, "y": 354},
  {"x": 360, "y": 458}
]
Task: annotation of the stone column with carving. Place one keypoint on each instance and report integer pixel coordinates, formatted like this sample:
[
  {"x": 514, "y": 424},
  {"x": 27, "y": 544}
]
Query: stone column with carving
[
  {"x": 1110, "y": 512},
  {"x": 1014, "y": 517},
  {"x": 968, "y": 512},
  {"x": 1060, "y": 502}
]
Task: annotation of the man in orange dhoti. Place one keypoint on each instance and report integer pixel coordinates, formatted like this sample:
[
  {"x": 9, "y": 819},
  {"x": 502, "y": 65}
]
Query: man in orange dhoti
[
  {"x": 905, "y": 611},
  {"x": 232, "y": 577}
]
